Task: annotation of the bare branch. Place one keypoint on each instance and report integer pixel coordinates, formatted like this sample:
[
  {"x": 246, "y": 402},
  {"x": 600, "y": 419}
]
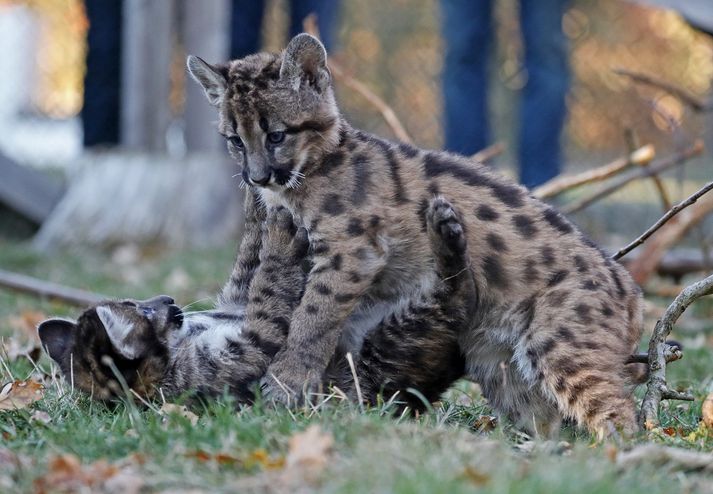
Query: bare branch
[
  {"x": 41, "y": 288},
  {"x": 657, "y": 389},
  {"x": 671, "y": 354},
  {"x": 310, "y": 26},
  {"x": 672, "y": 161},
  {"x": 558, "y": 185},
  {"x": 489, "y": 152},
  {"x": 669, "y": 214},
  {"x": 680, "y": 93}
]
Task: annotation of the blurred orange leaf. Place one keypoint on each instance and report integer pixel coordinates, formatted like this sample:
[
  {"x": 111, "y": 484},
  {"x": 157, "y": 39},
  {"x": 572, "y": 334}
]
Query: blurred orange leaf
[
  {"x": 707, "y": 411},
  {"x": 20, "y": 394}
]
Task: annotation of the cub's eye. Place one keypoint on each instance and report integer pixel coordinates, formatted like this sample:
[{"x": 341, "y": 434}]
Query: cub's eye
[
  {"x": 275, "y": 137},
  {"x": 147, "y": 311},
  {"x": 128, "y": 303},
  {"x": 236, "y": 141}
]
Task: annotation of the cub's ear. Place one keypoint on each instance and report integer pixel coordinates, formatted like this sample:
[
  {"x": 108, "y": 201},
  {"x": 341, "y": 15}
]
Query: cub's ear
[
  {"x": 119, "y": 331},
  {"x": 213, "y": 78},
  {"x": 305, "y": 60},
  {"x": 56, "y": 336}
]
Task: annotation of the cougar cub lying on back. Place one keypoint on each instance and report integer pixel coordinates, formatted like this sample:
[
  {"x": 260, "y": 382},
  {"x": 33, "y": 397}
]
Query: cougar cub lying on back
[
  {"x": 153, "y": 345},
  {"x": 555, "y": 319}
]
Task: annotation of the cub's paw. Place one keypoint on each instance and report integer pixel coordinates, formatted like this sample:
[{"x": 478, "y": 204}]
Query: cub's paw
[
  {"x": 282, "y": 238},
  {"x": 443, "y": 223},
  {"x": 280, "y": 387}
]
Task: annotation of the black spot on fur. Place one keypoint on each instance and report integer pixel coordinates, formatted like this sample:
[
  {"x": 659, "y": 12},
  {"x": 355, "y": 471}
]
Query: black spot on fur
[
  {"x": 526, "y": 309},
  {"x": 421, "y": 212},
  {"x": 262, "y": 315},
  {"x": 590, "y": 285},
  {"x": 524, "y": 225},
  {"x": 496, "y": 242},
  {"x": 322, "y": 289},
  {"x": 548, "y": 255},
  {"x": 282, "y": 324},
  {"x": 374, "y": 221},
  {"x": 362, "y": 179},
  {"x": 581, "y": 264},
  {"x": 607, "y": 311},
  {"x": 355, "y": 228},
  {"x": 433, "y": 189},
  {"x": 556, "y": 298},
  {"x": 531, "y": 274},
  {"x": 617, "y": 281},
  {"x": 360, "y": 253},
  {"x": 330, "y": 162},
  {"x": 554, "y": 218},
  {"x": 486, "y": 213},
  {"x": 436, "y": 165},
  {"x": 400, "y": 195},
  {"x": 267, "y": 291},
  {"x": 583, "y": 312},
  {"x": 494, "y": 272},
  {"x": 343, "y": 298},
  {"x": 354, "y": 277},
  {"x": 311, "y": 125},
  {"x": 320, "y": 247},
  {"x": 408, "y": 150},
  {"x": 311, "y": 309},
  {"x": 565, "y": 334},
  {"x": 337, "y": 262},
  {"x": 557, "y": 277},
  {"x": 269, "y": 348},
  {"x": 332, "y": 205}
]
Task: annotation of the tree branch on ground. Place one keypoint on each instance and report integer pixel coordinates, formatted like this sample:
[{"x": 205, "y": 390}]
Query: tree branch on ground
[
  {"x": 27, "y": 284},
  {"x": 560, "y": 184},
  {"x": 656, "y": 388},
  {"x": 664, "y": 164},
  {"x": 695, "y": 103},
  {"x": 674, "y": 459},
  {"x": 669, "y": 214}
]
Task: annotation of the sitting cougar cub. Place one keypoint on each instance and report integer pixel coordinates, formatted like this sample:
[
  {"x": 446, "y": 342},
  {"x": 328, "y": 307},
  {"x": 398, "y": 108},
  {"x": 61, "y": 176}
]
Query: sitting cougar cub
[{"x": 153, "y": 345}]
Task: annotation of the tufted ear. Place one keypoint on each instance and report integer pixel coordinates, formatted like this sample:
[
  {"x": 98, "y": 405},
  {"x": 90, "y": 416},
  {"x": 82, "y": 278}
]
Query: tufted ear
[
  {"x": 213, "y": 78},
  {"x": 305, "y": 62},
  {"x": 118, "y": 329},
  {"x": 56, "y": 336}
]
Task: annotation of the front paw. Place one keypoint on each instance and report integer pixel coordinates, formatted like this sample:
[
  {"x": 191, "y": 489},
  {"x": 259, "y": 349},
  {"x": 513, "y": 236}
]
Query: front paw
[{"x": 287, "y": 386}]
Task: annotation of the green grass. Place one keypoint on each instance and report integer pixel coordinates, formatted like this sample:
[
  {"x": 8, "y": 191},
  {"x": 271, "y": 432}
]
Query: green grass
[{"x": 440, "y": 451}]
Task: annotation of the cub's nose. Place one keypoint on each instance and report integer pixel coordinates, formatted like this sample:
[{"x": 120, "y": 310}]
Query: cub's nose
[{"x": 260, "y": 178}]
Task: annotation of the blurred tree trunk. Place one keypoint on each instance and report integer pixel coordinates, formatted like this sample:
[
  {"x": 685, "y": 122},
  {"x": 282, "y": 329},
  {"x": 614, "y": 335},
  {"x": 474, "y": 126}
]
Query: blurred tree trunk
[
  {"x": 205, "y": 33},
  {"x": 147, "y": 55}
]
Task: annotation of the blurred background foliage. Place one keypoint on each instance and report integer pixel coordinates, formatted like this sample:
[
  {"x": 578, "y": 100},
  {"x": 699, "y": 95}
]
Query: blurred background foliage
[{"x": 396, "y": 48}]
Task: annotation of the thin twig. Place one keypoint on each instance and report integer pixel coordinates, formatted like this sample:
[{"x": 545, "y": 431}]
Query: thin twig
[
  {"x": 657, "y": 389},
  {"x": 558, "y": 185},
  {"x": 680, "y": 93},
  {"x": 310, "y": 26},
  {"x": 489, "y": 152},
  {"x": 41, "y": 288},
  {"x": 672, "y": 161},
  {"x": 669, "y": 214}
]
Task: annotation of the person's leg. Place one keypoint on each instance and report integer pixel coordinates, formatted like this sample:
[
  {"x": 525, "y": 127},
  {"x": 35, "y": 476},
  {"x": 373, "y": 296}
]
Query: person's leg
[
  {"x": 543, "y": 107},
  {"x": 102, "y": 81},
  {"x": 467, "y": 31},
  {"x": 327, "y": 12},
  {"x": 245, "y": 24}
]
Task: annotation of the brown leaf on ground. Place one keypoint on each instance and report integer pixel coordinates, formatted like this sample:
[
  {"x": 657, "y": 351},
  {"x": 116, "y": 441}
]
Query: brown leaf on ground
[
  {"x": 707, "y": 411},
  {"x": 65, "y": 473},
  {"x": 24, "y": 340},
  {"x": 475, "y": 476},
  {"x": 309, "y": 449},
  {"x": 20, "y": 394}
]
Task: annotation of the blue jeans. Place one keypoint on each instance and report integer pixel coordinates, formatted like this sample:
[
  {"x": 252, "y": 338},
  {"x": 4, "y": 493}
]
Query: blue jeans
[
  {"x": 467, "y": 29},
  {"x": 246, "y": 21}
]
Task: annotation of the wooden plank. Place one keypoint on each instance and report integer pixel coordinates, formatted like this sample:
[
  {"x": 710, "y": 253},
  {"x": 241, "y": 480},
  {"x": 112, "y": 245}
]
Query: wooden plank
[{"x": 27, "y": 191}]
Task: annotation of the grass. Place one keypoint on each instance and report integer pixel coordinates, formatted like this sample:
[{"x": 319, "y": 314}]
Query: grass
[{"x": 239, "y": 449}]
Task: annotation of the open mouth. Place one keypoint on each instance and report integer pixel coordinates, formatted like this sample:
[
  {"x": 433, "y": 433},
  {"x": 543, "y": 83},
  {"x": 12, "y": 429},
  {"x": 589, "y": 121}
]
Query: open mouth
[{"x": 175, "y": 315}]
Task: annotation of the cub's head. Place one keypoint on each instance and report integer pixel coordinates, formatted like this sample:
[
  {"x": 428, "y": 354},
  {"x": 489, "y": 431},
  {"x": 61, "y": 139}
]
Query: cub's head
[
  {"x": 277, "y": 112},
  {"x": 127, "y": 337}
]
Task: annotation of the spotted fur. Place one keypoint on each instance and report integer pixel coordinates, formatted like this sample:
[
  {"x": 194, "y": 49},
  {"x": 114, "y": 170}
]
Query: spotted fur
[{"x": 555, "y": 319}]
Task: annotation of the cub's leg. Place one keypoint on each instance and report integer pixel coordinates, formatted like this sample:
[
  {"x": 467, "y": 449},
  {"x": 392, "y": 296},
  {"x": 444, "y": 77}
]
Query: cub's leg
[
  {"x": 236, "y": 359},
  {"x": 418, "y": 349},
  {"x": 234, "y": 295}
]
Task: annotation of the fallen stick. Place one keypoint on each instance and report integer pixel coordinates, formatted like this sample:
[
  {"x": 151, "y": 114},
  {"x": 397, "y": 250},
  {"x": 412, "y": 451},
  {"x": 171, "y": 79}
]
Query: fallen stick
[
  {"x": 558, "y": 185},
  {"x": 672, "y": 161},
  {"x": 27, "y": 284},
  {"x": 682, "y": 94},
  {"x": 675, "y": 459},
  {"x": 489, "y": 152},
  {"x": 669, "y": 214},
  {"x": 656, "y": 388},
  {"x": 389, "y": 115}
]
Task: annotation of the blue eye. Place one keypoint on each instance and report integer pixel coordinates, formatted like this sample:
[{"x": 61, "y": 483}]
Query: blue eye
[
  {"x": 275, "y": 137},
  {"x": 147, "y": 311}
]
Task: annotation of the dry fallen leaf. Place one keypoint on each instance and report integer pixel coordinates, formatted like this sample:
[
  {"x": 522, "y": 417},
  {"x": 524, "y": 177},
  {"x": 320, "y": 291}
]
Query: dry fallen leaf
[
  {"x": 707, "y": 411},
  {"x": 168, "y": 409},
  {"x": 309, "y": 449},
  {"x": 475, "y": 476},
  {"x": 41, "y": 417},
  {"x": 262, "y": 458},
  {"x": 24, "y": 341},
  {"x": 65, "y": 473},
  {"x": 20, "y": 394}
]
